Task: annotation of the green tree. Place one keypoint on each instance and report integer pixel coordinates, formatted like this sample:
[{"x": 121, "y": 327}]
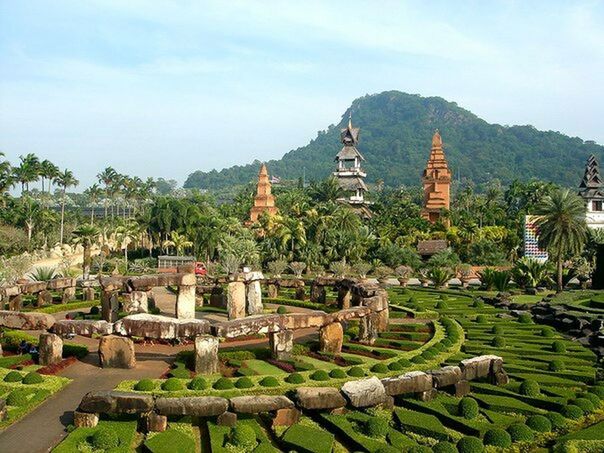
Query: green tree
[
  {"x": 64, "y": 180},
  {"x": 86, "y": 235}
]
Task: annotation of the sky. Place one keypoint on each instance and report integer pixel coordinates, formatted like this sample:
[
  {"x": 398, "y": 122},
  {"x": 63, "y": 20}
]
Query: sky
[{"x": 163, "y": 88}]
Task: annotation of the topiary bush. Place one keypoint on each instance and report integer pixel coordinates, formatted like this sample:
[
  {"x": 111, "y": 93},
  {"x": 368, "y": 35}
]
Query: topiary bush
[
  {"x": 245, "y": 383},
  {"x": 584, "y": 404},
  {"x": 144, "y": 385},
  {"x": 557, "y": 420},
  {"x": 405, "y": 363},
  {"x": 295, "y": 378},
  {"x": 470, "y": 444},
  {"x": 356, "y": 371},
  {"x": 223, "y": 384},
  {"x": 418, "y": 359},
  {"x": 482, "y": 319},
  {"x": 13, "y": 376},
  {"x": 468, "y": 408},
  {"x": 379, "y": 368},
  {"x": 377, "y": 427},
  {"x": 595, "y": 399},
  {"x": 598, "y": 390},
  {"x": 498, "y": 342},
  {"x": 281, "y": 310},
  {"x": 519, "y": 432},
  {"x": 198, "y": 383},
  {"x": 32, "y": 378},
  {"x": 337, "y": 373},
  {"x": 558, "y": 346},
  {"x": 243, "y": 436},
  {"x": 525, "y": 318},
  {"x": 539, "y": 423},
  {"x": 498, "y": 438},
  {"x": 104, "y": 439},
  {"x": 95, "y": 310},
  {"x": 478, "y": 303},
  {"x": 172, "y": 385},
  {"x": 444, "y": 447},
  {"x": 556, "y": 365},
  {"x": 571, "y": 411},
  {"x": 395, "y": 366},
  {"x": 269, "y": 381},
  {"x": 441, "y": 305},
  {"x": 530, "y": 388},
  {"x": 547, "y": 332},
  {"x": 320, "y": 375},
  {"x": 497, "y": 330}
]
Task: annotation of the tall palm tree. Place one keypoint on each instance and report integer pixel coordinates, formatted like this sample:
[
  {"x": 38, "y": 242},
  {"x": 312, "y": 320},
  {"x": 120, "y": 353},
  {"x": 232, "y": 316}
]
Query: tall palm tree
[
  {"x": 6, "y": 178},
  {"x": 65, "y": 180},
  {"x": 86, "y": 235},
  {"x": 127, "y": 233},
  {"x": 93, "y": 193},
  {"x": 106, "y": 178},
  {"x": 562, "y": 227},
  {"x": 48, "y": 171},
  {"x": 27, "y": 171}
]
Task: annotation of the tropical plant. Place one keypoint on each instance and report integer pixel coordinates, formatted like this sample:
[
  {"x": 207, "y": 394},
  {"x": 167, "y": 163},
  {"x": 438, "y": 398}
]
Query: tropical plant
[
  {"x": 487, "y": 278},
  {"x": 277, "y": 267},
  {"x": 501, "y": 280},
  {"x": 339, "y": 268},
  {"x": 230, "y": 264},
  {"x": 530, "y": 273},
  {"x": 178, "y": 241},
  {"x": 440, "y": 276},
  {"x": 64, "y": 180},
  {"x": 362, "y": 269},
  {"x": 43, "y": 273},
  {"x": 297, "y": 268}
]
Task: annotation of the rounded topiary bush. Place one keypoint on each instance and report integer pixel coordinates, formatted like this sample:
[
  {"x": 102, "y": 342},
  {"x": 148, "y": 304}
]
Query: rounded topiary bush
[
  {"x": 539, "y": 423},
  {"x": 295, "y": 378},
  {"x": 413, "y": 449},
  {"x": 144, "y": 385},
  {"x": 498, "y": 438},
  {"x": 558, "y": 346},
  {"x": 584, "y": 404},
  {"x": 441, "y": 305},
  {"x": 377, "y": 427},
  {"x": 198, "y": 383},
  {"x": 482, "y": 319},
  {"x": 595, "y": 399},
  {"x": 172, "y": 385},
  {"x": 104, "y": 439},
  {"x": 418, "y": 359},
  {"x": 243, "y": 436},
  {"x": 444, "y": 447},
  {"x": 571, "y": 411},
  {"x": 547, "y": 332},
  {"x": 444, "y": 297},
  {"x": 519, "y": 432},
  {"x": 13, "y": 376},
  {"x": 468, "y": 408},
  {"x": 470, "y": 444},
  {"x": 18, "y": 397},
  {"x": 498, "y": 342},
  {"x": 245, "y": 383},
  {"x": 428, "y": 354},
  {"x": 320, "y": 375},
  {"x": 379, "y": 368},
  {"x": 269, "y": 381},
  {"x": 356, "y": 371},
  {"x": 525, "y": 318},
  {"x": 33, "y": 378},
  {"x": 530, "y": 388},
  {"x": 557, "y": 420},
  {"x": 405, "y": 363},
  {"x": 598, "y": 390},
  {"x": 223, "y": 384},
  {"x": 556, "y": 365},
  {"x": 395, "y": 366},
  {"x": 497, "y": 330},
  {"x": 281, "y": 310},
  {"x": 337, "y": 373}
]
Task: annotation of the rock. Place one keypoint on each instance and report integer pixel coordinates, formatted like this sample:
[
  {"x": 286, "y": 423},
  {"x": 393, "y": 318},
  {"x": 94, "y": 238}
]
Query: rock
[
  {"x": 109, "y": 305},
  {"x": 348, "y": 314},
  {"x": 85, "y": 419},
  {"x": 114, "y": 402},
  {"x": 218, "y": 298},
  {"x": 61, "y": 283},
  {"x": 318, "y": 294},
  {"x": 500, "y": 378},
  {"x": 254, "y": 298},
  {"x": 33, "y": 287},
  {"x": 364, "y": 392},
  {"x": 428, "y": 395},
  {"x": 286, "y": 417},
  {"x": 248, "y": 326},
  {"x": 368, "y": 329},
  {"x": 161, "y": 327},
  {"x": 344, "y": 297},
  {"x": 155, "y": 423},
  {"x": 319, "y": 398},
  {"x": 136, "y": 302},
  {"x": 310, "y": 319},
  {"x": 206, "y": 354},
  {"x": 446, "y": 376},
  {"x": 272, "y": 291},
  {"x": 281, "y": 344},
  {"x": 43, "y": 298},
  {"x": 185, "y": 302},
  {"x": 198, "y": 406},
  {"x": 26, "y": 321},
  {"x": 411, "y": 382},
  {"x": 50, "y": 349},
  {"x": 382, "y": 320},
  {"x": 68, "y": 294},
  {"x": 331, "y": 338},
  {"x": 260, "y": 403},
  {"x": 15, "y": 303},
  {"x": 236, "y": 300},
  {"x": 300, "y": 293},
  {"x": 461, "y": 388},
  {"x": 227, "y": 419},
  {"x": 477, "y": 367},
  {"x": 86, "y": 328},
  {"x": 116, "y": 352}
]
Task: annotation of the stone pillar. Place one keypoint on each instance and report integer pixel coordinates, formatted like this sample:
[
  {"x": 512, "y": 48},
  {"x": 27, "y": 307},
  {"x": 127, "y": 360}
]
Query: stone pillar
[
  {"x": 44, "y": 297},
  {"x": 318, "y": 293},
  {"x": 254, "y": 298},
  {"x": 1, "y": 351},
  {"x": 136, "y": 302},
  {"x": 344, "y": 297},
  {"x": 272, "y": 290},
  {"x": 382, "y": 318},
  {"x": 206, "y": 354},
  {"x": 116, "y": 352},
  {"x": 150, "y": 299},
  {"x": 281, "y": 344},
  {"x": 15, "y": 303},
  {"x": 367, "y": 329},
  {"x": 88, "y": 293},
  {"x": 154, "y": 423},
  {"x": 68, "y": 294},
  {"x": 185, "y": 302},
  {"x": 85, "y": 419},
  {"x": 109, "y": 306},
  {"x": 236, "y": 300},
  {"x": 331, "y": 337},
  {"x": 50, "y": 349}
]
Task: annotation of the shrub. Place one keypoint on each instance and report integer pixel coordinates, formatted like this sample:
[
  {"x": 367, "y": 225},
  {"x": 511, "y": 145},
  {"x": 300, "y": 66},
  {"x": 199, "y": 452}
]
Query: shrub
[
  {"x": 172, "y": 385},
  {"x": 498, "y": 342},
  {"x": 413, "y": 449},
  {"x": 295, "y": 378},
  {"x": 539, "y": 423},
  {"x": 558, "y": 346},
  {"x": 441, "y": 305},
  {"x": 418, "y": 359},
  {"x": 356, "y": 371},
  {"x": 32, "y": 378},
  {"x": 498, "y": 438},
  {"x": 320, "y": 375},
  {"x": 497, "y": 330},
  {"x": 571, "y": 411},
  {"x": 405, "y": 363},
  {"x": 584, "y": 404},
  {"x": 519, "y": 432},
  {"x": 337, "y": 373},
  {"x": 144, "y": 385},
  {"x": 379, "y": 368},
  {"x": 482, "y": 319},
  {"x": 478, "y": 303},
  {"x": 13, "y": 376},
  {"x": 525, "y": 318},
  {"x": 598, "y": 390},
  {"x": 377, "y": 427},
  {"x": 530, "y": 388},
  {"x": 595, "y": 399},
  {"x": 18, "y": 397},
  {"x": 470, "y": 444},
  {"x": 468, "y": 408},
  {"x": 198, "y": 383},
  {"x": 75, "y": 350},
  {"x": 556, "y": 365},
  {"x": 246, "y": 383},
  {"x": 547, "y": 332},
  {"x": 223, "y": 384},
  {"x": 281, "y": 310},
  {"x": 395, "y": 366},
  {"x": 444, "y": 297},
  {"x": 444, "y": 447},
  {"x": 269, "y": 381},
  {"x": 243, "y": 436},
  {"x": 104, "y": 439},
  {"x": 94, "y": 310},
  {"x": 556, "y": 419}
]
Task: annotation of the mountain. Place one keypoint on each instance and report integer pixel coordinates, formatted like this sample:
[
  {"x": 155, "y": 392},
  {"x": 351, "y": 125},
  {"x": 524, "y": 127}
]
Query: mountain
[{"x": 395, "y": 139}]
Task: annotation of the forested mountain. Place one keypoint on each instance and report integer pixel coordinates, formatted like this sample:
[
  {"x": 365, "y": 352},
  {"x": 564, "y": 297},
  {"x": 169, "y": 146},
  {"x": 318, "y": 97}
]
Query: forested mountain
[{"x": 396, "y": 133}]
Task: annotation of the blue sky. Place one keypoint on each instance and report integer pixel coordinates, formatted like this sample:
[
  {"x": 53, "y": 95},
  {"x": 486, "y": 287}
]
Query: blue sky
[{"x": 163, "y": 88}]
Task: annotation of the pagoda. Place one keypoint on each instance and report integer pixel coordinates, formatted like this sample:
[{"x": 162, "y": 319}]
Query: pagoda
[
  {"x": 264, "y": 201},
  {"x": 349, "y": 173},
  {"x": 437, "y": 181},
  {"x": 591, "y": 190}
]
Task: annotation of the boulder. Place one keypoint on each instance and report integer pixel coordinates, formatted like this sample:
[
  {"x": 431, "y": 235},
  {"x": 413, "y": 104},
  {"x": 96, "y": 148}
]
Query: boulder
[
  {"x": 254, "y": 297},
  {"x": 114, "y": 402},
  {"x": 446, "y": 376},
  {"x": 33, "y": 287},
  {"x": 382, "y": 320},
  {"x": 136, "y": 302},
  {"x": 50, "y": 349},
  {"x": 318, "y": 294},
  {"x": 368, "y": 329},
  {"x": 9, "y": 291},
  {"x": 272, "y": 291},
  {"x": 227, "y": 419},
  {"x": 364, "y": 392},
  {"x": 461, "y": 388},
  {"x": 348, "y": 314},
  {"x": 236, "y": 300},
  {"x": 260, "y": 403},
  {"x": 312, "y": 319},
  {"x": 477, "y": 367},
  {"x": 206, "y": 354},
  {"x": 344, "y": 297},
  {"x": 26, "y": 321},
  {"x": 86, "y": 328},
  {"x": 411, "y": 382},
  {"x": 198, "y": 406},
  {"x": 185, "y": 302},
  {"x": 61, "y": 283},
  {"x": 68, "y": 294},
  {"x": 15, "y": 303},
  {"x": 319, "y": 398},
  {"x": 285, "y": 417},
  {"x": 281, "y": 344},
  {"x": 109, "y": 305},
  {"x": 161, "y": 327},
  {"x": 428, "y": 395},
  {"x": 116, "y": 352},
  {"x": 43, "y": 298},
  {"x": 500, "y": 378},
  {"x": 155, "y": 423},
  {"x": 331, "y": 337},
  {"x": 85, "y": 419}
]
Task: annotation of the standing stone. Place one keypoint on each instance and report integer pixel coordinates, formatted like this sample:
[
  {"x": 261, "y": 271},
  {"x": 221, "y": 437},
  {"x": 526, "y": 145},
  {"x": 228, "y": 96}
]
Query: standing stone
[
  {"x": 367, "y": 329},
  {"x": 68, "y": 294},
  {"x": 318, "y": 293},
  {"x": 236, "y": 300},
  {"x": 185, "y": 302},
  {"x": 15, "y": 303},
  {"x": 254, "y": 298},
  {"x": 272, "y": 291},
  {"x": 281, "y": 344},
  {"x": 50, "y": 349},
  {"x": 331, "y": 337},
  {"x": 364, "y": 392},
  {"x": 382, "y": 319},
  {"x": 116, "y": 352},
  {"x": 461, "y": 388},
  {"x": 88, "y": 293},
  {"x": 1, "y": 351},
  {"x": 206, "y": 354},
  {"x": 344, "y": 297},
  {"x": 85, "y": 419},
  {"x": 44, "y": 297},
  {"x": 155, "y": 423},
  {"x": 286, "y": 417},
  {"x": 109, "y": 305},
  {"x": 136, "y": 302}
]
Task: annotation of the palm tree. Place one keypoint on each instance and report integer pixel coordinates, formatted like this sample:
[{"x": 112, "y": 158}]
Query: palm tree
[
  {"x": 127, "y": 233},
  {"x": 93, "y": 193},
  {"x": 65, "y": 180},
  {"x": 48, "y": 171},
  {"x": 562, "y": 228},
  {"x": 178, "y": 241},
  {"x": 86, "y": 235},
  {"x": 6, "y": 177},
  {"x": 27, "y": 171},
  {"x": 106, "y": 177}
]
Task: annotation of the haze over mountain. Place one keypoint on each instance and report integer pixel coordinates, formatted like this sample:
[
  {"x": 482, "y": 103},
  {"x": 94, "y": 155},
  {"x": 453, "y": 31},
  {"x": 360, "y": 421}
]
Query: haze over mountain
[{"x": 396, "y": 132}]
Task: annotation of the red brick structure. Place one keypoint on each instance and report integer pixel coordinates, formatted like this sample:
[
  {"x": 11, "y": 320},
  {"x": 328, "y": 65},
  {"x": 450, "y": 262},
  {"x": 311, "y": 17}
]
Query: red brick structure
[
  {"x": 437, "y": 181},
  {"x": 264, "y": 201}
]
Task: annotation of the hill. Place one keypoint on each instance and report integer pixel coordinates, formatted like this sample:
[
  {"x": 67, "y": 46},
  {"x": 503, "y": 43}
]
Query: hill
[{"x": 396, "y": 132}]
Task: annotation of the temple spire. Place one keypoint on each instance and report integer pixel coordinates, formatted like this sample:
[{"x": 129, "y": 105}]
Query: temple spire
[
  {"x": 264, "y": 201},
  {"x": 437, "y": 181}
]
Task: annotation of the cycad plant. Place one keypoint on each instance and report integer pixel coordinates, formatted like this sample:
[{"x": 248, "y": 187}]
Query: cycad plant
[
  {"x": 297, "y": 268},
  {"x": 501, "y": 280},
  {"x": 339, "y": 268},
  {"x": 530, "y": 273},
  {"x": 440, "y": 276},
  {"x": 362, "y": 269},
  {"x": 487, "y": 278},
  {"x": 277, "y": 267}
]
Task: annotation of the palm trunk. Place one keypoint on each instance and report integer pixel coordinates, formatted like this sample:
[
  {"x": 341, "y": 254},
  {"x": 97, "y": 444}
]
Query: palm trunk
[
  {"x": 92, "y": 215},
  {"x": 62, "y": 214},
  {"x": 559, "y": 270},
  {"x": 86, "y": 262}
]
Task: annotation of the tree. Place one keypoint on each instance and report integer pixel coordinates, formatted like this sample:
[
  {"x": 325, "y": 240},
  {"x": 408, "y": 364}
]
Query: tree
[
  {"x": 64, "y": 180},
  {"x": 86, "y": 235},
  {"x": 178, "y": 241},
  {"x": 106, "y": 177},
  {"x": 93, "y": 193},
  {"x": 6, "y": 178},
  {"x": 127, "y": 233},
  {"x": 27, "y": 171},
  {"x": 562, "y": 228},
  {"x": 48, "y": 171}
]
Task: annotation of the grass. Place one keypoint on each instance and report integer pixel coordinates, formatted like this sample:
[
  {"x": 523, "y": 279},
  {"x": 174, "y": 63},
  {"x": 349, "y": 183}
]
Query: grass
[
  {"x": 56, "y": 308},
  {"x": 78, "y": 439},
  {"x": 308, "y": 439}
]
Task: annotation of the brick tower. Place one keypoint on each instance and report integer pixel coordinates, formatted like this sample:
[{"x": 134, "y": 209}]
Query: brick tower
[
  {"x": 264, "y": 199},
  {"x": 437, "y": 182}
]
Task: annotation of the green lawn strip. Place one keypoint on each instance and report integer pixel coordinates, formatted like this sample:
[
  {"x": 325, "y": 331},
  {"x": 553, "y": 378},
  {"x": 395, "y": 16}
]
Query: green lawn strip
[
  {"x": 404, "y": 345},
  {"x": 57, "y": 308},
  {"x": 499, "y": 419},
  {"x": 547, "y": 380},
  {"x": 9, "y": 361},
  {"x": 506, "y": 404},
  {"x": 78, "y": 439},
  {"x": 171, "y": 440},
  {"x": 421, "y": 423},
  {"x": 575, "y": 375},
  {"x": 320, "y": 364},
  {"x": 594, "y": 432},
  {"x": 307, "y": 439},
  {"x": 543, "y": 402},
  {"x": 527, "y": 298},
  {"x": 556, "y": 391},
  {"x": 261, "y": 367}
]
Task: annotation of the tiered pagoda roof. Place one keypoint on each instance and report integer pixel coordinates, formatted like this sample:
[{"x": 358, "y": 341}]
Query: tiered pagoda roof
[
  {"x": 264, "y": 201},
  {"x": 591, "y": 186},
  {"x": 436, "y": 180},
  {"x": 349, "y": 172}
]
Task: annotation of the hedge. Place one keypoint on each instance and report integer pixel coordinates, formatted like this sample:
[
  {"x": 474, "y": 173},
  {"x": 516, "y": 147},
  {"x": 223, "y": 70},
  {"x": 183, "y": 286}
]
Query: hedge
[
  {"x": 422, "y": 424},
  {"x": 308, "y": 439}
]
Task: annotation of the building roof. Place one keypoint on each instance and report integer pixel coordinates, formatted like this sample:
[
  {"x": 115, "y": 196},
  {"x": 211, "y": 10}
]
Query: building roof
[
  {"x": 353, "y": 183},
  {"x": 431, "y": 247},
  {"x": 349, "y": 153},
  {"x": 591, "y": 185}
]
